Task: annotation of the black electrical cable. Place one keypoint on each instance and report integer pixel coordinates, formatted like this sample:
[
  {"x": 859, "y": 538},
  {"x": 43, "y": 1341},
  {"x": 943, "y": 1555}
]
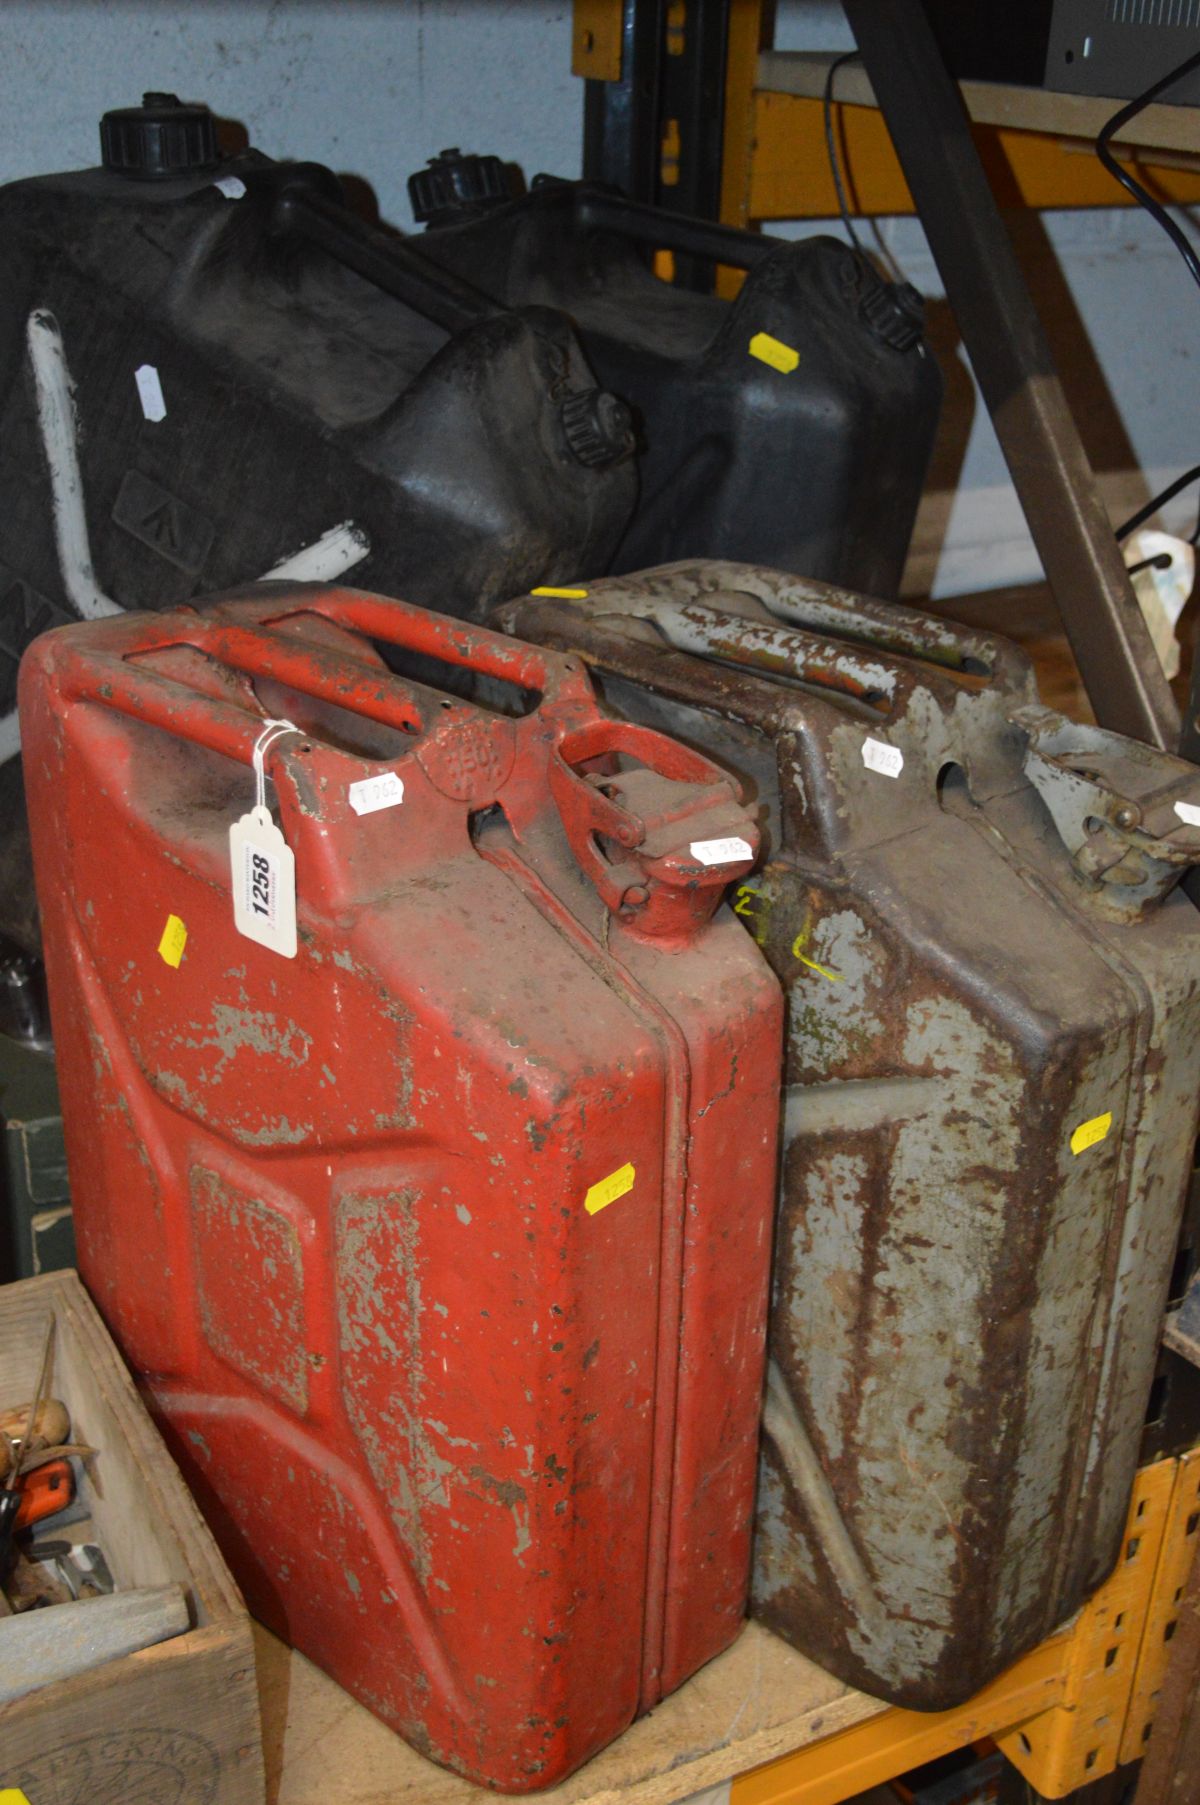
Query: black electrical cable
[
  {"x": 1142, "y": 195},
  {"x": 1174, "y": 232},
  {"x": 1152, "y": 507},
  {"x": 1160, "y": 561},
  {"x": 839, "y": 62}
]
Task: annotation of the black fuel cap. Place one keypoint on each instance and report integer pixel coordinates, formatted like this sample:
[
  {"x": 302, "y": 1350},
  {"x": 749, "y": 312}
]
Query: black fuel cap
[
  {"x": 453, "y": 184},
  {"x": 598, "y": 427},
  {"x": 163, "y": 137},
  {"x": 895, "y": 312}
]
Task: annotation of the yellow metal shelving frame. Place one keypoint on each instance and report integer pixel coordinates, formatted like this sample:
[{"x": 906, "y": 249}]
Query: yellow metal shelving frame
[
  {"x": 1036, "y": 146},
  {"x": 1070, "y": 1712}
]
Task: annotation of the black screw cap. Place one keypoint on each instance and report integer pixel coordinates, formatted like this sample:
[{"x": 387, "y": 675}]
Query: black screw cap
[
  {"x": 454, "y": 184},
  {"x": 895, "y": 312},
  {"x": 598, "y": 426},
  {"x": 164, "y": 137}
]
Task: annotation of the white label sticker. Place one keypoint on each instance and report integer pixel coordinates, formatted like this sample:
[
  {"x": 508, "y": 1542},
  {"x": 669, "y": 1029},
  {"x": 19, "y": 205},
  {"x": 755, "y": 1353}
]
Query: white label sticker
[
  {"x": 150, "y": 393},
  {"x": 1188, "y": 812},
  {"x": 887, "y": 760},
  {"x": 722, "y": 852},
  {"x": 263, "y": 874},
  {"x": 372, "y": 793},
  {"x": 231, "y": 186}
]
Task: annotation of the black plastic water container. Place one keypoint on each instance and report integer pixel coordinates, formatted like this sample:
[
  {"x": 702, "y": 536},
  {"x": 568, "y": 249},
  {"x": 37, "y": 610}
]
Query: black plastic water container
[
  {"x": 211, "y": 370},
  {"x": 792, "y": 426}
]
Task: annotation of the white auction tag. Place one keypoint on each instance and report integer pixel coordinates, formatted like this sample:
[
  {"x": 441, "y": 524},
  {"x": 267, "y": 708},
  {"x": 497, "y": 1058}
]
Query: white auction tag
[
  {"x": 887, "y": 760},
  {"x": 231, "y": 186},
  {"x": 263, "y": 874},
  {"x": 150, "y": 393},
  {"x": 1188, "y": 812},
  {"x": 372, "y": 793},
  {"x": 722, "y": 852}
]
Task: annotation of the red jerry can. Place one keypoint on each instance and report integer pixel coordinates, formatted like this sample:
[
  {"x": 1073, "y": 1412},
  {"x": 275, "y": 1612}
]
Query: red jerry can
[{"x": 441, "y": 1247}]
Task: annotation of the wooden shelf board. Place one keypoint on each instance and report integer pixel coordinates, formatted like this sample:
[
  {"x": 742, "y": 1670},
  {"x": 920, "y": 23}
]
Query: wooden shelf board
[
  {"x": 1047, "y": 110},
  {"x": 756, "y": 1702},
  {"x": 787, "y": 166}
]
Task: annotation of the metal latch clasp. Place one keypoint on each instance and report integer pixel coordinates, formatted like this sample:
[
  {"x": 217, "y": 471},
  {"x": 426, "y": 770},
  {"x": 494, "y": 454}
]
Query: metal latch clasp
[
  {"x": 660, "y": 830},
  {"x": 1128, "y": 814}
]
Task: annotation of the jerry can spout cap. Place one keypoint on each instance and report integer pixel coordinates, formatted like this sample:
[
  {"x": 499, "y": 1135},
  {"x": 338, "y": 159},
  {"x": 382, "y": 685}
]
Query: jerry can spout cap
[
  {"x": 162, "y": 139},
  {"x": 455, "y": 185},
  {"x": 660, "y": 830}
]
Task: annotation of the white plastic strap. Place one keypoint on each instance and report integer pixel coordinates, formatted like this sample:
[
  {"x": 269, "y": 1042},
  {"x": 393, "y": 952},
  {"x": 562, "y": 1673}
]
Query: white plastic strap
[
  {"x": 262, "y": 866},
  {"x": 272, "y": 731}
]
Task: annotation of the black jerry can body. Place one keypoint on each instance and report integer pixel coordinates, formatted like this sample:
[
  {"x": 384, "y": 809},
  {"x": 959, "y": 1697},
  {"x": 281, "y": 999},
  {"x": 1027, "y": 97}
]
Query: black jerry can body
[
  {"x": 211, "y": 371},
  {"x": 791, "y": 426}
]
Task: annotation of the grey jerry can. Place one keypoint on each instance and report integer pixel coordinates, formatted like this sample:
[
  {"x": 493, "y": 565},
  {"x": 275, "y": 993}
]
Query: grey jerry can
[{"x": 991, "y": 1077}]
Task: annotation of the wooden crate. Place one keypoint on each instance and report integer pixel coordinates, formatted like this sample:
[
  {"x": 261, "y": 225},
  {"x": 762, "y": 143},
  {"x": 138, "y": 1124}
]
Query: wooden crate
[{"x": 177, "y": 1723}]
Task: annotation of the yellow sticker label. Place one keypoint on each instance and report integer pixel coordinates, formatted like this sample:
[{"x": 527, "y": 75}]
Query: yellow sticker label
[
  {"x": 567, "y": 595},
  {"x": 170, "y": 951},
  {"x": 773, "y": 351},
  {"x": 12, "y": 1795},
  {"x": 1088, "y": 1133},
  {"x": 609, "y": 1189}
]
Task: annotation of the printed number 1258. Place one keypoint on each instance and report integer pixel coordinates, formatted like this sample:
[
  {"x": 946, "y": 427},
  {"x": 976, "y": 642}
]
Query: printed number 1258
[{"x": 260, "y": 884}]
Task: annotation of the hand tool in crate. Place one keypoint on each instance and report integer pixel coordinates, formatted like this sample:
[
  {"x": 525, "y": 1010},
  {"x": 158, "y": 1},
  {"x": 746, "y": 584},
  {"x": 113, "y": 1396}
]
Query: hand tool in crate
[
  {"x": 991, "y": 1077},
  {"x": 38, "y": 1482},
  {"x": 12, "y": 1498},
  {"x": 792, "y": 425},
  {"x": 211, "y": 369},
  {"x": 186, "y": 1718},
  {"x": 424, "y": 1160}
]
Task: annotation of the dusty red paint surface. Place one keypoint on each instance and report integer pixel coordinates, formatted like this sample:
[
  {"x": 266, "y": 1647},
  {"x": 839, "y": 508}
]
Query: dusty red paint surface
[{"x": 442, "y": 1249}]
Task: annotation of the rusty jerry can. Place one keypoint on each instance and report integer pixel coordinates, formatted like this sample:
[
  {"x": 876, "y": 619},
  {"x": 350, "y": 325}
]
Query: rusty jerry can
[
  {"x": 442, "y": 1247},
  {"x": 990, "y": 1093}
]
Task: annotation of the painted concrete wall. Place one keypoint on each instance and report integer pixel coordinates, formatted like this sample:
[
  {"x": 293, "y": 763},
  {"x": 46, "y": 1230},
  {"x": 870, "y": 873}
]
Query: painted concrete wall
[{"x": 373, "y": 87}]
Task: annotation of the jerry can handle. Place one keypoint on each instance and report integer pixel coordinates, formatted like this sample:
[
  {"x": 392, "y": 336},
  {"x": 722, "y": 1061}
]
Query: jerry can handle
[
  {"x": 890, "y": 628},
  {"x": 115, "y": 677},
  {"x": 605, "y": 210},
  {"x": 779, "y": 650},
  {"x": 308, "y": 205},
  {"x": 883, "y": 630},
  {"x": 455, "y": 642},
  {"x": 327, "y": 675}
]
